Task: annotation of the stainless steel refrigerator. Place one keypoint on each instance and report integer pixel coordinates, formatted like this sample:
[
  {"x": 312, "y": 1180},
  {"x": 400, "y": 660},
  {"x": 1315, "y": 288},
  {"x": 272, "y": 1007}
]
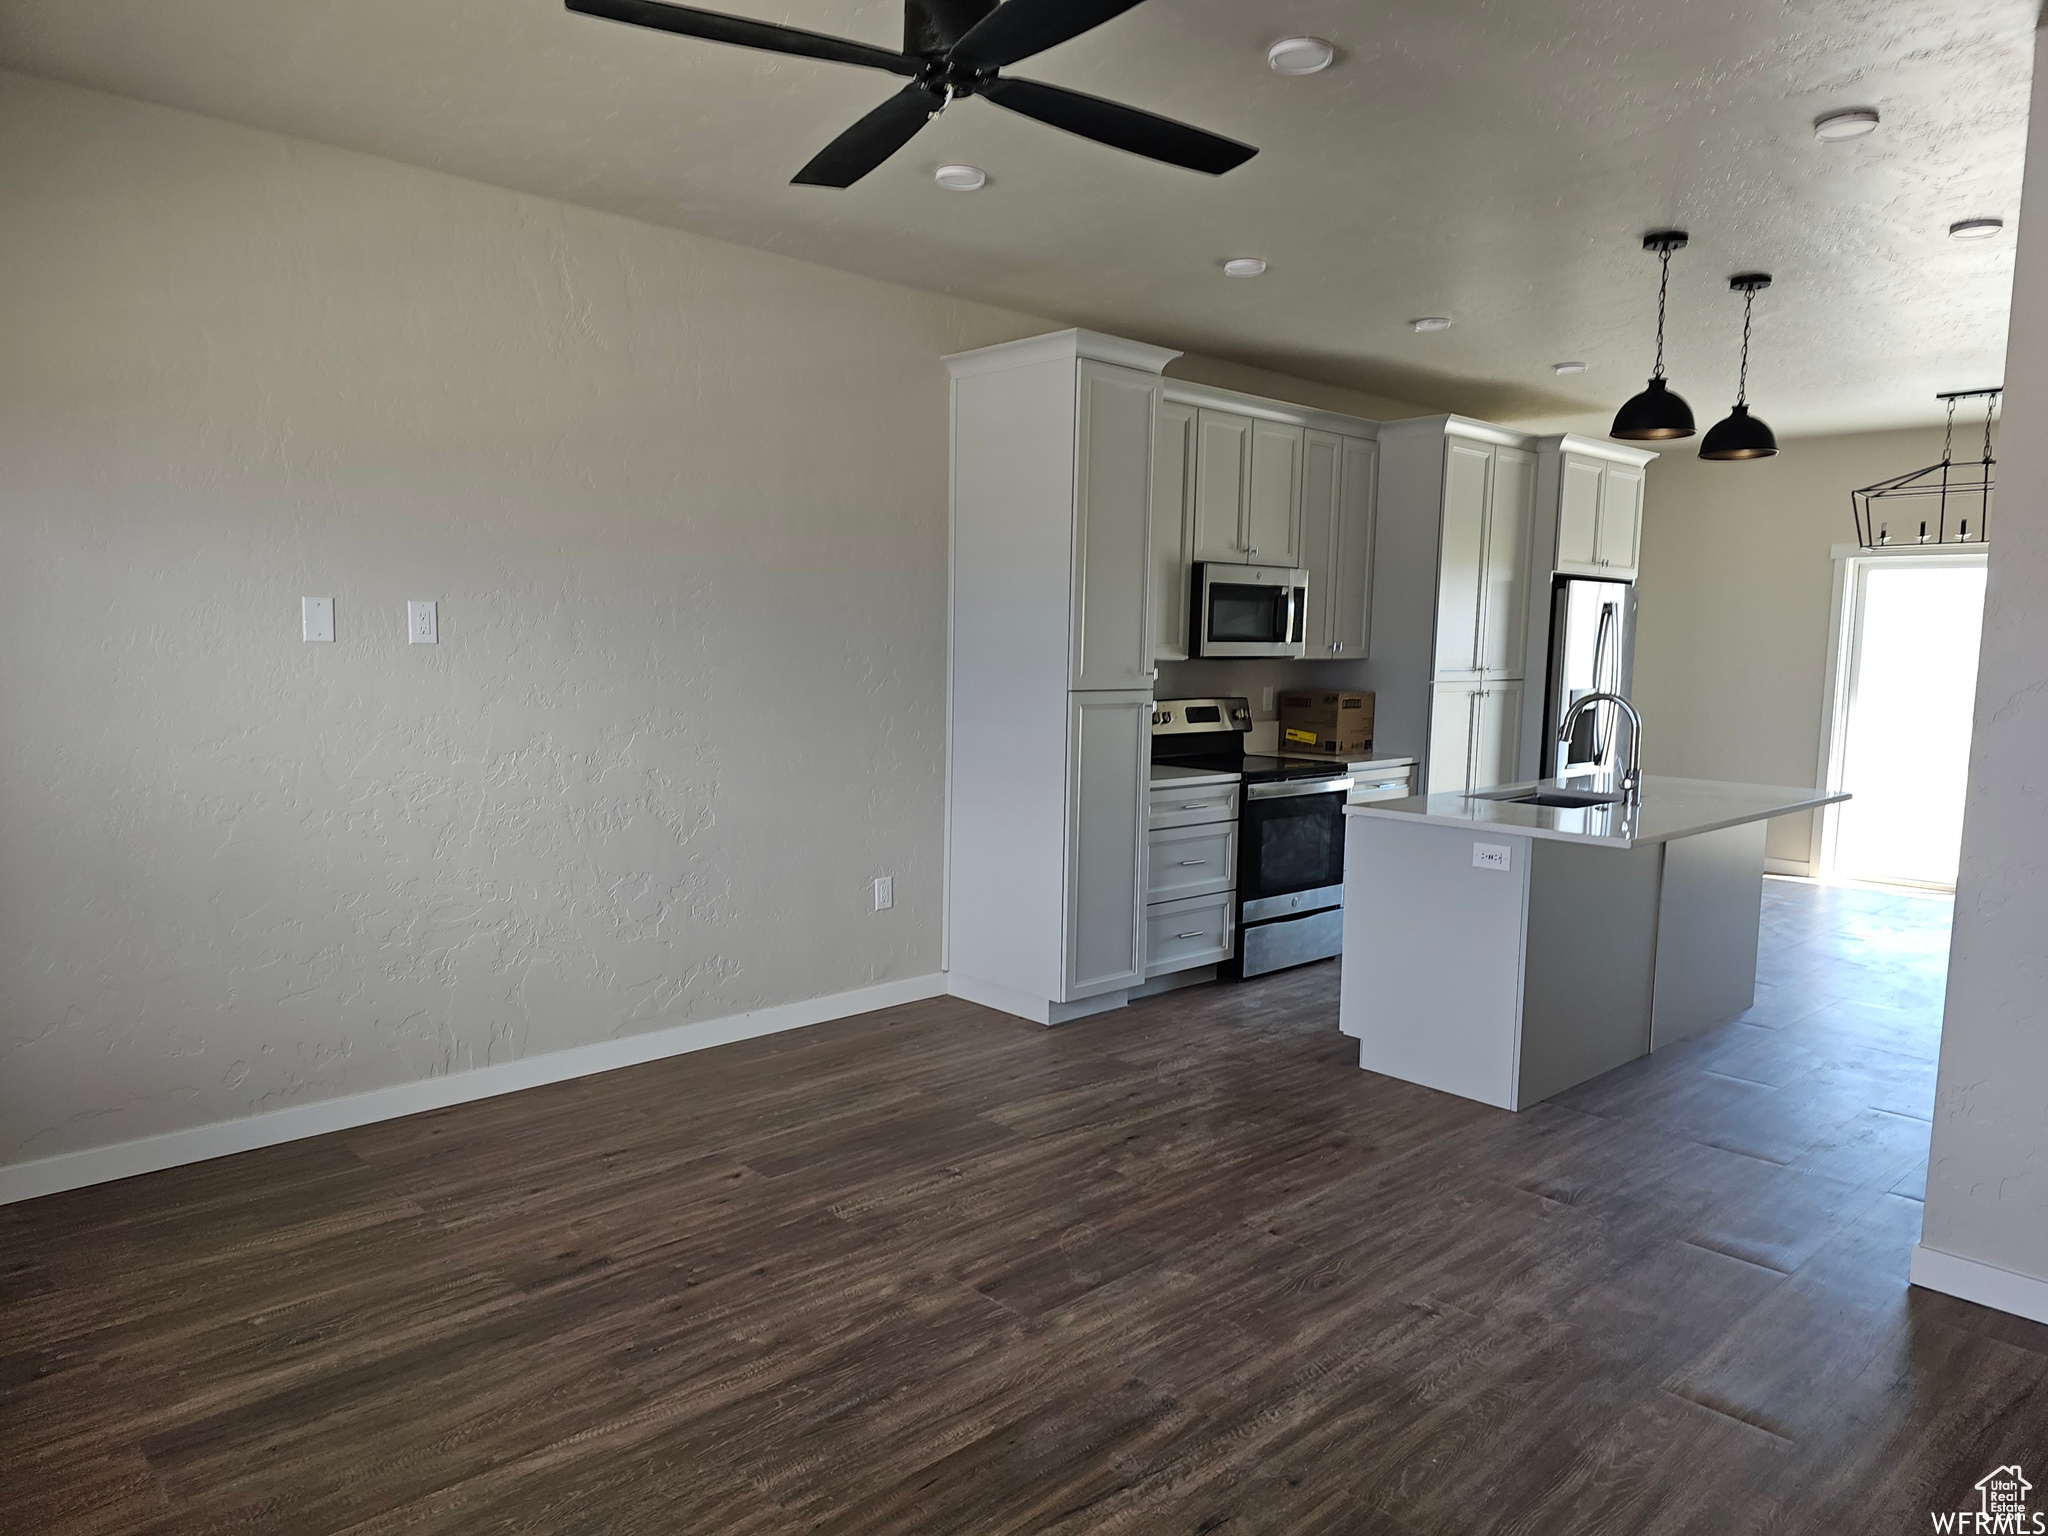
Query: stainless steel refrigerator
[{"x": 1592, "y": 650}]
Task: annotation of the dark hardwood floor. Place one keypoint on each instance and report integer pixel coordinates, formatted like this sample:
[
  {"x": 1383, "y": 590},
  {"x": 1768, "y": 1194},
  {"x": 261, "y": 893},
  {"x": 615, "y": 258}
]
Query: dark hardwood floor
[{"x": 1179, "y": 1269}]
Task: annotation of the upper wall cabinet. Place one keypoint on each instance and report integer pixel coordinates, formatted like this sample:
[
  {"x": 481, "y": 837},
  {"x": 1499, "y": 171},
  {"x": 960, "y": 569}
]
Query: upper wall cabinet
[
  {"x": 1339, "y": 493},
  {"x": 1597, "y": 490},
  {"x": 1251, "y": 487},
  {"x": 1273, "y": 513},
  {"x": 1112, "y": 639},
  {"x": 1223, "y": 486}
]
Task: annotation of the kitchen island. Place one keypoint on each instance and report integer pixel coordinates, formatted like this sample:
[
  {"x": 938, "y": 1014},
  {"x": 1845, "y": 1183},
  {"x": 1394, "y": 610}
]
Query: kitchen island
[{"x": 1508, "y": 944}]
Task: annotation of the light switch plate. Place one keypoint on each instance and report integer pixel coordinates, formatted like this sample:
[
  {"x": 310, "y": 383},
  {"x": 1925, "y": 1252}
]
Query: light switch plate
[
  {"x": 423, "y": 623},
  {"x": 316, "y": 619},
  {"x": 885, "y": 893},
  {"x": 1491, "y": 856}
]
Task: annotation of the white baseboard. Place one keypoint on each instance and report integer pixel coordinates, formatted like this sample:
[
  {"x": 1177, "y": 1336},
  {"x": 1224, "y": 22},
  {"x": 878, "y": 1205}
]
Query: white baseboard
[
  {"x": 98, "y": 1165},
  {"x": 1986, "y": 1284},
  {"x": 1798, "y": 869}
]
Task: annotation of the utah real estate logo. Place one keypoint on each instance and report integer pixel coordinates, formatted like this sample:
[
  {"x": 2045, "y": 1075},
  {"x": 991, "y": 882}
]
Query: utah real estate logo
[{"x": 2002, "y": 1510}]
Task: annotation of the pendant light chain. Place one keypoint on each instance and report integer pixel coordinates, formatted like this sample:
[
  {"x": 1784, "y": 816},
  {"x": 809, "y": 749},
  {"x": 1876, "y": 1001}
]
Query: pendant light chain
[
  {"x": 1742, "y": 386},
  {"x": 1663, "y": 288},
  {"x": 1948, "y": 436}
]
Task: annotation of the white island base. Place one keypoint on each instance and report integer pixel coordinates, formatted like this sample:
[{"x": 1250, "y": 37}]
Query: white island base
[{"x": 1608, "y": 934}]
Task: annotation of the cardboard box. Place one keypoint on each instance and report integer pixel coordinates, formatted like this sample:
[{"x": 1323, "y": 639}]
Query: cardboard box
[{"x": 1339, "y": 724}]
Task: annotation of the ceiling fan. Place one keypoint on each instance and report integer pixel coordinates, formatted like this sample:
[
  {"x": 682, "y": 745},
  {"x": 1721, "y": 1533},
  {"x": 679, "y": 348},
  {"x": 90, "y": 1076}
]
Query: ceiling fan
[{"x": 951, "y": 48}]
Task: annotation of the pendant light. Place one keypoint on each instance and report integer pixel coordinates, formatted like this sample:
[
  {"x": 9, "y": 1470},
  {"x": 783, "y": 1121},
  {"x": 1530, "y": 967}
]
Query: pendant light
[
  {"x": 1741, "y": 435},
  {"x": 1657, "y": 414}
]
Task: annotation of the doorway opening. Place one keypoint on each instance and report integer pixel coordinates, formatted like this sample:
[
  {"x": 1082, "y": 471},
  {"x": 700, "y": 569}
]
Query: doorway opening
[{"x": 1907, "y": 632}]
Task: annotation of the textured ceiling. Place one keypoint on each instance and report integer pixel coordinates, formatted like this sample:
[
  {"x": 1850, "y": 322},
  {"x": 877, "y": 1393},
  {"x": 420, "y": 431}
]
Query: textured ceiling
[{"x": 1492, "y": 160}]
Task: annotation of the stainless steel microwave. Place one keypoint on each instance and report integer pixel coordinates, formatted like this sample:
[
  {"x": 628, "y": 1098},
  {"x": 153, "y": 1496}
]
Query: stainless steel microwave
[{"x": 1249, "y": 610}]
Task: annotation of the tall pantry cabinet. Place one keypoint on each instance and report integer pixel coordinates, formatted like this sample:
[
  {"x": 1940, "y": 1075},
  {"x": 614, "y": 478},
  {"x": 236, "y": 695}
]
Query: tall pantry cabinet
[
  {"x": 1051, "y": 671},
  {"x": 1452, "y": 583}
]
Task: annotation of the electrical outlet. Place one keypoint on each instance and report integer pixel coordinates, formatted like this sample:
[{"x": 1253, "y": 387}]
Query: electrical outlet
[
  {"x": 316, "y": 619},
  {"x": 1491, "y": 856},
  {"x": 885, "y": 893},
  {"x": 1269, "y": 701},
  {"x": 423, "y": 623}
]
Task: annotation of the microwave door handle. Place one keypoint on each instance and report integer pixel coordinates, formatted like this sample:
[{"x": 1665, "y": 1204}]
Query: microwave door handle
[{"x": 1293, "y": 612}]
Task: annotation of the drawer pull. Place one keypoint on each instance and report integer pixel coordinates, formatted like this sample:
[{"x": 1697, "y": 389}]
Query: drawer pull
[
  {"x": 1199, "y": 805},
  {"x": 1191, "y": 863},
  {"x": 1195, "y": 935}
]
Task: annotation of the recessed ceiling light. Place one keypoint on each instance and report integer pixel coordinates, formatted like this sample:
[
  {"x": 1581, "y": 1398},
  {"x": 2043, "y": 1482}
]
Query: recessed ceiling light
[
  {"x": 1562, "y": 368},
  {"x": 1975, "y": 229},
  {"x": 1432, "y": 323},
  {"x": 1300, "y": 55},
  {"x": 1852, "y": 123},
  {"x": 961, "y": 178},
  {"x": 1244, "y": 266}
]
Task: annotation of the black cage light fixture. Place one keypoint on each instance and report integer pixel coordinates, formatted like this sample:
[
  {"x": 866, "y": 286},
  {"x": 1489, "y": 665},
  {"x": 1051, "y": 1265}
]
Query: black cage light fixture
[
  {"x": 1657, "y": 415},
  {"x": 1740, "y": 435}
]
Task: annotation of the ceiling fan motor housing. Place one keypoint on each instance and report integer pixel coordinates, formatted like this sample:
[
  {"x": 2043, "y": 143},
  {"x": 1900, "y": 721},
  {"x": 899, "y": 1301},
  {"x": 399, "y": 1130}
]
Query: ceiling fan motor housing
[{"x": 930, "y": 27}]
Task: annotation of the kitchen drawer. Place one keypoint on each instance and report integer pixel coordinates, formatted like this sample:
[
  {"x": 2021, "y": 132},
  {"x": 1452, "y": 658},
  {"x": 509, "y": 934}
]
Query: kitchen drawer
[
  {"x": 1180, "y": 935},
  {"x": 1190, "y": 861},
  {"x": 1389, "y": 784},
  {"x": 1176, "y": 807}
]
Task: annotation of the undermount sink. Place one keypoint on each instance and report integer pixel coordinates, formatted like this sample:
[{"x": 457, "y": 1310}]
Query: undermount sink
[{"x": 1561, "y": 799}]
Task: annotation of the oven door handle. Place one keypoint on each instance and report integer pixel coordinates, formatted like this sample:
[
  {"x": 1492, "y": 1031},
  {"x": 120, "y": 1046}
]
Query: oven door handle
[{"x": 1287, "y": 789}]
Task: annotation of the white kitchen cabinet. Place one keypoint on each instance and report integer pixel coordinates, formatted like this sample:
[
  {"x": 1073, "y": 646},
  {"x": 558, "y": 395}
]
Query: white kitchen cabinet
[
  {"x": 1621, "y": 522},
  {"x": 1474, "y": 736},
  {"x": 1112, "y": 639},
  {"x": 1223, "y": 486},
  {"x": 1190, "y": 861},
  {"x": 1050, "y": 699},
  {"x": 1578, "y": 513},
  {"x": 1351, "y": 564},
  {"x": 1598, "y": 492},
  {"x": 1504, "y": 610},
  {"x": 1173, "y": 528},
  {"x": 1453, "y": 723},
  {"x": 1109, "y": 775},
  {"x": 1483, "y": 576},
  {"x": 1454, "y": 576},
  {"x": 1338, "y": 497},
  {"x": 1461, "y": 575},
  {"x": 1176, "y": 807},
  {"x": 1273, "y": 507},
  {"x": 1196, "y": 931},
  {"x": 1496, "y": 735}
]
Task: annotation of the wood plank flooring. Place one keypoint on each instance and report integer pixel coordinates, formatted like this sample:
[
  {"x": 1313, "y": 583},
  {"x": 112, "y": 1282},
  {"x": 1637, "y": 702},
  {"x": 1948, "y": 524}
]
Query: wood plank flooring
[{"x": 1183, "y": 1268}]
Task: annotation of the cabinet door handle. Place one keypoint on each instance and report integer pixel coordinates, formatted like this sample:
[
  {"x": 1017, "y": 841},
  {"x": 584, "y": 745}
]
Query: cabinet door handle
[
  {"x": 1192, "y": 863},
  {"x": 1195, "y": 935}
]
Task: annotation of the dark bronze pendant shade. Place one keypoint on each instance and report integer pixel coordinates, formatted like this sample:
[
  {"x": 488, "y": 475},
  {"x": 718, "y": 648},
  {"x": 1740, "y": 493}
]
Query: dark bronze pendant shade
[
  {"x": 1657, "y": 415},
  {"x": 1652, "y": 416},
  {"x": 1740, "y": 435}
]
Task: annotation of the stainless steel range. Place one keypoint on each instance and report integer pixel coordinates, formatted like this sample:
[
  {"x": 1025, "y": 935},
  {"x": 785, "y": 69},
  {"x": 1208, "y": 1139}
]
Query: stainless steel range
[{"x": 1290, "y": 846}]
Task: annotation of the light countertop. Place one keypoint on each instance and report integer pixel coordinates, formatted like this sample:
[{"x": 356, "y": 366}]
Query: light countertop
[
  {"x": 1187, "y": 778},
  {"x": 1670, "y": 808}
]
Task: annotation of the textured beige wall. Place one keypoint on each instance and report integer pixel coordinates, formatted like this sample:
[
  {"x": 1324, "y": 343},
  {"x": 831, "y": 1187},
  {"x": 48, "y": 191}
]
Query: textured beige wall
[
  {"x": 1987, "y": 1180},
  {"x": 683, "y": 506},
  {"x": 1736, "y": 593}
]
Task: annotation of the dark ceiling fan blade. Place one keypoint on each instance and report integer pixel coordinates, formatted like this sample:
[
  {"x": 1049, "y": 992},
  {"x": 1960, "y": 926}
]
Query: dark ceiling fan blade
[
  {"x": 743, "y": 33},
  {"x": 1016, "y": 29},
  {"x": 1108, "y": 122},
  {"x": 871, "y": 140}
]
